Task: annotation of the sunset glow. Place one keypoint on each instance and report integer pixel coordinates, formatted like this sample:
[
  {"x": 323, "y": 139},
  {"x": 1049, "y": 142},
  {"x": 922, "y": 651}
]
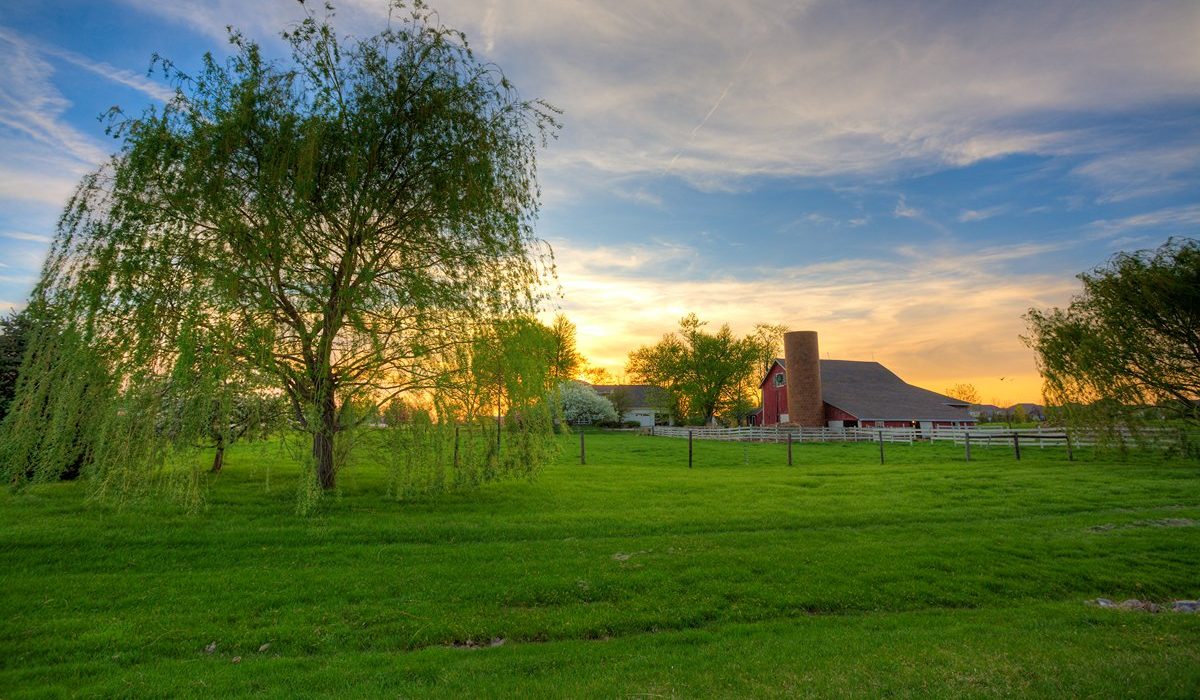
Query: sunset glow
[{"x": 907, "y": 180}]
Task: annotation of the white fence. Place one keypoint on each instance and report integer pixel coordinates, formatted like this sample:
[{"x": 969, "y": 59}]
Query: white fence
[
  {"x": 781, "y": 434},
  {"x": 978, "y": 437}
]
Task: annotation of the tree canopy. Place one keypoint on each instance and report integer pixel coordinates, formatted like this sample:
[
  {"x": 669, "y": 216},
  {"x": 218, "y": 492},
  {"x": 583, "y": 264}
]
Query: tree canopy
[
  {"x": 964, "y": 392},
  {"x": 703, "y": 373},
  {"x": 1129, "y": 342},
  {"x": 333, "y": 224}
]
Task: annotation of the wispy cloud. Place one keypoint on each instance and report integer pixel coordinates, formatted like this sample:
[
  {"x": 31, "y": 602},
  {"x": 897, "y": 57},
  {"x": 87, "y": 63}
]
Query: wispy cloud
[
  {"x": 1131, "y": 171},
  {"x": 32, "y": 108},
  {"x": 653, "y": 258},
  {"x": 1184, "y": 218},
  {"x": 718, "y": 93},
  {"x": 639, "y": 195},
  {"x": 23, "y": 236},
  {"x": 903, "y": 211},
  {"x": 117, "y": 75},
  {"x": 970, "y": 215}
]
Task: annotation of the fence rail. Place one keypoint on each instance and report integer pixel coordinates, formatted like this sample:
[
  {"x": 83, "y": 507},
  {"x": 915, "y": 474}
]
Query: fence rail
[
  {"x": 781, "y": 434},
  {"x": 979, "y": 437}
]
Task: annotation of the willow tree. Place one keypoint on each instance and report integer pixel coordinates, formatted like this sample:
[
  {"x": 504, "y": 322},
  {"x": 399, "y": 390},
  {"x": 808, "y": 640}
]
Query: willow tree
[
  {"x": 490, "y": 415},
  {"x": 328, "y": 221},
  {"x": 1128, "y": 346}
]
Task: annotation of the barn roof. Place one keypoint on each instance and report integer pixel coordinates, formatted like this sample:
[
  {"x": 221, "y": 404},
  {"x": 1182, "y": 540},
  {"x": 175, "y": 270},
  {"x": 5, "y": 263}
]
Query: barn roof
[{"x": 870, "y": 391}]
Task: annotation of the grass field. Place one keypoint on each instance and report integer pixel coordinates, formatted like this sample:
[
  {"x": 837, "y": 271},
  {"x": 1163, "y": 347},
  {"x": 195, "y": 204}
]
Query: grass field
[{"x": 632, "y": 576}]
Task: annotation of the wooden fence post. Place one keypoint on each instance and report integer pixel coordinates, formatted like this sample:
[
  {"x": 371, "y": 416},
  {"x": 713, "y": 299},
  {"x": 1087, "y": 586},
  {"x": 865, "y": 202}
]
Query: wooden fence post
[
  {"x": 968, "y": 437},
  {"x": 689, "y": 449},
  {"x": 1070, "y": 453},
  {"x": 881, "y": 447},
  {"x": 789, "y": 448},
  {"x": 1017, "y": 446},
  {"x": 582, "y": 449}
]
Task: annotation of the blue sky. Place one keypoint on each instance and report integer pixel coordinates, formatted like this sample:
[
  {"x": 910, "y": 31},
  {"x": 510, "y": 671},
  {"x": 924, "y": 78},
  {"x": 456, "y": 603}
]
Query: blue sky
[{"x": 905, "y": 178}]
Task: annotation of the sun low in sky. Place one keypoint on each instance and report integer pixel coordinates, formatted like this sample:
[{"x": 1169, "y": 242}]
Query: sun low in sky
[{"x": 905, "y": 178}]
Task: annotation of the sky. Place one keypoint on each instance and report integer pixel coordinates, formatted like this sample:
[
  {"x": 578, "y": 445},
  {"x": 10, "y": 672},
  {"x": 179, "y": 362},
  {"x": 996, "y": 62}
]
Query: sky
[{"x": 907, "y": 179}]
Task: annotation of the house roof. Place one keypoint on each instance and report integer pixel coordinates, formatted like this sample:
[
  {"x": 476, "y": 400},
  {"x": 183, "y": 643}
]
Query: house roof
[
  {"x": 870, "y": 391},
  {"x": 639, "y": 394}
]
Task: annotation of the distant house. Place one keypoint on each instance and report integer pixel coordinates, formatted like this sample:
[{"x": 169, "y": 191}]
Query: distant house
[
  {"x": 992, "y": 412},
  {"x": 641, "y": 406},
  {"x": 986, "y": 411},
  {"x": 802, "y": 389},
  {"x": 1035, "y": 411}
]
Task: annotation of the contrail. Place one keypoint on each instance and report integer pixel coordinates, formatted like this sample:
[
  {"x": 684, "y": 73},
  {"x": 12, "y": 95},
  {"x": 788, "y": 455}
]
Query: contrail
[{"x": 712, "y": 111}]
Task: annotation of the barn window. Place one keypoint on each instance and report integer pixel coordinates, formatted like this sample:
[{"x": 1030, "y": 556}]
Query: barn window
[{"x": 779, "y": 379}]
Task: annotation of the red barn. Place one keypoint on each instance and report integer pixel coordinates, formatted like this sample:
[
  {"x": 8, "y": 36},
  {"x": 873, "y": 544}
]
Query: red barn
[{"x": 846, "y": 393}]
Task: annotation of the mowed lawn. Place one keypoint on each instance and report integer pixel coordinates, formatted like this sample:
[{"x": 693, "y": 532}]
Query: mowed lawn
[{"x": 632, "y": 576}]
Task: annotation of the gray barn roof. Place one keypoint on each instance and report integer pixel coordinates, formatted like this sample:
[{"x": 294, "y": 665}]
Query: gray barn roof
[{"x": 870, "y": 391}]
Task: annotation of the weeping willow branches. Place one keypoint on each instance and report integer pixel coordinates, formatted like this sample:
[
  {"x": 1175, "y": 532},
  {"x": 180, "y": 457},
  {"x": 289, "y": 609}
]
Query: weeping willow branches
[
  {"x": 1126, "y": 351},
  {"x": 325, "y": 229}
]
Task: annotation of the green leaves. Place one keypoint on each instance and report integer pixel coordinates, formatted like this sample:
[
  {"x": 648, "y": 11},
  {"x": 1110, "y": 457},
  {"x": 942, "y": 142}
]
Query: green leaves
[
  {"x": 326, "y": 225},
  {"x": 1128, "y": 347},
  {"x": 704, "y": 373}
]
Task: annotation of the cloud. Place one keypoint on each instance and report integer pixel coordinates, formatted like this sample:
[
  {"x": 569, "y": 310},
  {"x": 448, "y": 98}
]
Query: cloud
[
  {"x": 653, "y": 258},
  {"x": 1184, "y": 219},
  {"x": 903, "y": 211},
  {"x": 31, "y": 108},
  {"x": 23, "y": 236},
  {"x": 639, "y": 195},
  {"x": 970, "y": 215},
  {"x": 1130, "y": 172},
  {"x": 261, "y": 20},
  {"x": 109, "y": 72},
  {"x": 717, "y": 92},
  {"x": 44, "y": 155}
]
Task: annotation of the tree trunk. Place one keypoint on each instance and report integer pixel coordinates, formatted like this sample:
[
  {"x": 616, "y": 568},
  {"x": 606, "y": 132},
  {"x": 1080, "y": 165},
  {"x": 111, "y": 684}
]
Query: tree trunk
[
  {"x": 219, "y": 457},
  {"x": 323, "y": 441}
]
